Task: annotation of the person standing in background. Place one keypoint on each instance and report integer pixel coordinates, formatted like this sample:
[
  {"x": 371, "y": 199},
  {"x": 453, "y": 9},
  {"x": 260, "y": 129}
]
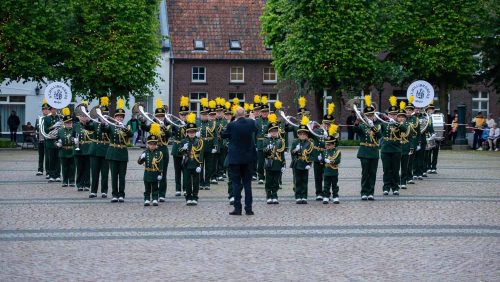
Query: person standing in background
[
  {"x": 350, "y": 125},
  {"x": 133, "y": 124},
  {"x": 13, "y": 122}
]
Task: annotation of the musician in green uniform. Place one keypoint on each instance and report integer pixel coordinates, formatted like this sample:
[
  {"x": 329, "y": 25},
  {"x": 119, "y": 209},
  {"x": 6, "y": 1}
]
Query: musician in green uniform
[
  {"x": 301, "y": 160},
  {"x": 164, "y": 135},
  {"x": 419, "y": 162},
  {"x": 51, "y": 124},
  {"x": 262, "y": 126},
  {"x": 208, "y": 134},
  {"x": 152, "y": 158},
  {"x": 117, "y": 154},
  {"x": 41, "y": 141},
  {"x": 192, "y": 152},
  {"x": 255, "y": 109},
  {"x": 391, "y": 148},
  {"x": 178, "y": 133},
  {"x": 331, "y": 156},
  {"x": 274, "y": 153},
  {"x": 433, "y": 145},
  {"x": 98, "y": 164},
  {"x": 368, "y": 152},
  {"x": 82, "y": 151},
  {"x": 413, "y": 134},
  {"x": 220, "y": 124},
  {"x": 65, "y": 143},
  {"x": 284, "y": 128},
  {"x": 319, "y": 146},
  {"x": 405, "y": 146}
]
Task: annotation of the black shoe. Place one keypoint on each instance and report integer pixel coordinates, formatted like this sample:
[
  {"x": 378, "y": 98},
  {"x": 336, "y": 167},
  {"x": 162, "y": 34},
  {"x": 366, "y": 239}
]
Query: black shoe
[
  {"x": 235, "y": 212},
  {"x": 249, "y": 213},
  {"x": 207, "y": 187}
]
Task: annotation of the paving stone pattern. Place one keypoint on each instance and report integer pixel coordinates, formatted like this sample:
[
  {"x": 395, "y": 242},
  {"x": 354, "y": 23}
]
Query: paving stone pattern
[{"x": 446, "y": 227}]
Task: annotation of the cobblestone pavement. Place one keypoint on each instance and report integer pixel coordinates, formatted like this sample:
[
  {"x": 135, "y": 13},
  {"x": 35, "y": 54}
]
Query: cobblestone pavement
[{"x": 446, "y": 227}]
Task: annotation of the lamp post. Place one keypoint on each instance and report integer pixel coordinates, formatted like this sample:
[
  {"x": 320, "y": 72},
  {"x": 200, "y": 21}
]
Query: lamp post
[{"x": 461, "y": 141}]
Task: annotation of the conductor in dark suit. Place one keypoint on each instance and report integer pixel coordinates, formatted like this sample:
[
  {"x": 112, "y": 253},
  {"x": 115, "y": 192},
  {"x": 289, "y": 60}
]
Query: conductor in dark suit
[{"x": 241, "y": 158}]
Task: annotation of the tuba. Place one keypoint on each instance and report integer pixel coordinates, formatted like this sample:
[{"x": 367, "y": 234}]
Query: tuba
[
  {"x": 314, "y": 125},
  {"x": 52, "y": 130},
  {"x": 291, "y": 120},
  {"x": 424, "y": 121}
]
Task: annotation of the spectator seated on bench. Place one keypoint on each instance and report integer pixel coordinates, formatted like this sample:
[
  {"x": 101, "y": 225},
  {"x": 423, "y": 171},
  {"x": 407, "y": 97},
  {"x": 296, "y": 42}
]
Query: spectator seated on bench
[{"x": 29, "y": 136}]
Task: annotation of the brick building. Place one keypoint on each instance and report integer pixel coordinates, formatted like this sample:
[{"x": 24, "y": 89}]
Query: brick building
[{"x": 217, "y": 51}]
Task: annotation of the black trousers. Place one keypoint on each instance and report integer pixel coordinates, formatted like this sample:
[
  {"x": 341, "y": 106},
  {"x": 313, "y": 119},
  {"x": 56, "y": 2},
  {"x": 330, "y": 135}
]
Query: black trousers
[
  {"x": 13, "y": 135},
  {"x": 434, "y": 156},
  {"x": 82, "y": 171},
  {"x": 405, "y": 159},
  {"x": 260, "y": 165},
  {"x": 178, "y": 173},
  {"x": 208, "y": 169},
  {"x": 41, "y": 156},
  {"x": 150, "y": 189},
  {"x": 118, "y": 172},
  {"x": 191, "y": 183},
  {"x": 411, "y": 160},
  {"x": 391, "y": 163},
  {"x": 368, "y": 176},
  {"x": 331, "y": 183},
  {"x": 272, "y": 183},
  {"x": 318, "y": 177},
  {"x": 301, "y": 179},
  {"x": 100, "y": 166},
  {"x": 241, "y": 176},
  {"x": 54, "y": 168}
]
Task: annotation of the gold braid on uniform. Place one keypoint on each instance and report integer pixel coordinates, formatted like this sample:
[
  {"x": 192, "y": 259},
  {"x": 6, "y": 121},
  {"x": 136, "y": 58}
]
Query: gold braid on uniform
[
  {"x": 333, "y": 158},
  {"x": 305, "y": 153},
  {"x": 122, "y": 135},
  {"x": 276, "y": 154},
  {"x": 156, "y": 161},
  {"x": 87, "y": 134},
  {"x": 195, "y": 151}
]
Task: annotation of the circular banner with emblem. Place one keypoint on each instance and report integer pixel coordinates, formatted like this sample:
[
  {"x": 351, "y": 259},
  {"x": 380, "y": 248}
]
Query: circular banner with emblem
[
  {"x": 422, "y": 91},
  {"x": 58, "y": 95}
]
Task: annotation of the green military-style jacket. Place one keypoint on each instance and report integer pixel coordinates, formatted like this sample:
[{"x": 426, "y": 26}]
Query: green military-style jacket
[
  {"x": 284, "y": 128},
  {"x": 208, "y": 133},
  {"x": 221, "y": 124},
  {"x": 421, "y": 136},
  {"x": 369, "y": 137},
  {"x": 48, "y": 122},
  {"x": 178, "y": 133},
  {"x": 119, "y": 139},
  {"x": 391, "y": 137},
  {"x": 85, "y": 139},
  {"x": 275, "y": 156},
  {"x": 319, "y": 146},
  {"x": 302, "y": 158},
  {"x": 65, "y": 135},
  {"x": 405, "y": 142},
  {"x": 153, "y": 165},
  {"x": 193, "y": 156},
  {"x": 332, "y": 168},
  {"x": 413, "y": 131},
  {"x": 262, "y": 125},
  {"x": 100, "y": 139}
]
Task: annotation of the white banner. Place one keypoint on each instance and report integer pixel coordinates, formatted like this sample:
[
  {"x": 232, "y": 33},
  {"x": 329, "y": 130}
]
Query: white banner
[
  {"x": 422, "y": 91},
  {"x": 58, "y": 95}
]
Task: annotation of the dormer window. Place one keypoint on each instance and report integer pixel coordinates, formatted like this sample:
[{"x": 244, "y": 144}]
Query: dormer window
[
  {"x": 234, "y": 44},
  {"x": 199, "y": 44}
]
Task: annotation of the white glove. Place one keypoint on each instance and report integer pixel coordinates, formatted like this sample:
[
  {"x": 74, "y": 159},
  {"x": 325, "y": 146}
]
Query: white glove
[
  {"x": 297, "y": 148},
  {"x": 59, "y": 143},
  {"x": 76, "y": 140},
  {"x": 308, "y": 167},
  {"x": 282, "y": 169},
  {"x": 198, "y": 169},
  {"x": 198, "y": 134},
  {"x": 320, "y": 158},
  {"x": 268, "y": 135},
  {"x": 270, "y": 146},
  {"x": 143, "y": 156},
  {"x": 418, "y": 148},
  {"x": 327, "y": 161},
  {"x": 162, "y": 123},
  {"x": 159, "y": 178},
  {"x": 185, "y": 146},
  {"x": 370, "y": 123},
  {"x": 214, "y": 151},
  {"x": 392, "y": 121}
]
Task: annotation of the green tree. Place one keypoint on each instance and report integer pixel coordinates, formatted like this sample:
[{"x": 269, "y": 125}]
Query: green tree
[
  {"x": 490, "y": 45},
  {"x": 324, "y": 43},
  {"x": 103, "y": 47},
  {"x": 436, "y": 41}
]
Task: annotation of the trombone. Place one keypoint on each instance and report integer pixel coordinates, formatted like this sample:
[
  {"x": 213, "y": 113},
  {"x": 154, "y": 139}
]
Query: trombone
[
  {"x": 291, "y": 120},
  {"x": 109, "y": 120},
  {"x": 84, "y": 112}
]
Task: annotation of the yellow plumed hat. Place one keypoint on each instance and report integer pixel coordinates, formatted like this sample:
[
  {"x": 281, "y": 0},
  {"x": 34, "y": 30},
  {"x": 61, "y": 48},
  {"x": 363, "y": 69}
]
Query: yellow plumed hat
[
  {"x": 263, "y": 100},
  {"x": 120, "y": 104},
  {"x": 66, "y": 111},
  {"x": 236, "y": 101},
  {"x": 304, "y": 120},
  {"x": 402, "y": 105},
  {"x": 212, "y": 104},
  {"x": 44, "y": 101},
  {"x": 272, "y": 118},
  {"x": 155, "y": 129},
  {"x": 393, "y": 101},
  {"x": 191, "y": 118},
  {"x": 184, "y": 101},
  {"x": 331, "y": 108},
  {"x": 204, "y": 102},
  {"x": 250, "y": 107},
  {"x": 159, "y": 103},
  {"x": 411, "y": 99},
  {"x": 256, "y": 99},
  {"x": 227, "y": 105},
  {"x": 302, "y": 102},
  {"x": 332, "y": 130},
  {"x": 245, "y": 106},
  {"x": 368, "y": 100},
  {"x": 278, "y": 105},
  {"x": 105, "y": 101}
]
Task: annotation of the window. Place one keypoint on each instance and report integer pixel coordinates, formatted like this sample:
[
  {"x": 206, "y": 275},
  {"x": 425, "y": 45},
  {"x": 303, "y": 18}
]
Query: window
[
  {"x": 270, "y": 75},
  {"x": 271, "y": 98},
  {"x": 194, "y": 101},
  {"x": 198, "y": 74},
  {"x": 237, "y": 74},
  {"x": 480, "y": 103},
  {"x": 234, "y": 44},
  {"x": 9, "y": 103},
  {"x": 240, "y": 96},
  {"x": 17, "y": 99},
  {"x": 198, "y": 44}
]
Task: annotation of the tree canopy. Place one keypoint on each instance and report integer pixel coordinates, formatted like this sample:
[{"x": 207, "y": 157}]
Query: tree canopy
[{"x": 103, "y": 47}]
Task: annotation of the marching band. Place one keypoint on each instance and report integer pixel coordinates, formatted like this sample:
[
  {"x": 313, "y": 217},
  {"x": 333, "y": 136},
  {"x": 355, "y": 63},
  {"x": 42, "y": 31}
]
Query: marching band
[{"x": 91, "y": 145}]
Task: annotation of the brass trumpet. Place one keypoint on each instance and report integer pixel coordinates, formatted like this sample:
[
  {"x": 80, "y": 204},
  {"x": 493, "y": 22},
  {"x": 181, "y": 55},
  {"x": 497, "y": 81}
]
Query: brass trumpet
[
  {"x": 109, "y": 120},
  {"x": 291, "y": 120}
]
